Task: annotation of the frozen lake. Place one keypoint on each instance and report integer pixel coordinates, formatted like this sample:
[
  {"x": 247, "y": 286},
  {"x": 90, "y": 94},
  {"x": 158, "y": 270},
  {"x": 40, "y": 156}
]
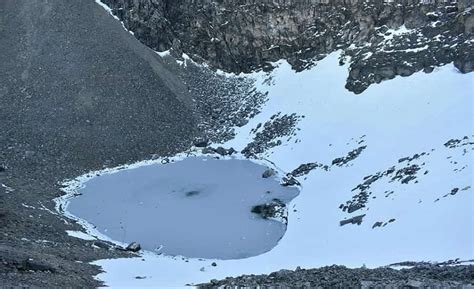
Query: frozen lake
[{"x": 199, "y": 207}]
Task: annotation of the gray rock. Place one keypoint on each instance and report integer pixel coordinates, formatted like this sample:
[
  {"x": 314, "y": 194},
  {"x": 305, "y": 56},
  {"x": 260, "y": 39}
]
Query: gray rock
[
  {"x": 414, "y": 284},
  {"x": 208, "y": 150},
  {"x": 354, "y": 220},
  {"x": 201, "y": 143},
  {"x": 268, "y": 173},
  {"x": 349, "y": 157},
  {"x": 273, "y": 210},
  {"x": 34, "y": 265},
  {"x": 101, "y": 244},
  {"x": 377, "y": 224},
  {"x": 289, "y": 181},
  {"x": 222, "y": 151},
  {"x": 133, "y": 247}
]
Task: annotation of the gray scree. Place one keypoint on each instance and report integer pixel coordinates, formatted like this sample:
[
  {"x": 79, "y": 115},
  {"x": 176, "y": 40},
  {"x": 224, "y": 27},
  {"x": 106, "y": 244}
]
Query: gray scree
[{"x": 198, "y": 207}]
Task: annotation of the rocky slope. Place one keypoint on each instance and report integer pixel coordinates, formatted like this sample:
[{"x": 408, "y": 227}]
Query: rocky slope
[
  {"x": 381, "y": 39},
  {"x": 418, "y": 276},
  {"x": 78, "y": 93}
]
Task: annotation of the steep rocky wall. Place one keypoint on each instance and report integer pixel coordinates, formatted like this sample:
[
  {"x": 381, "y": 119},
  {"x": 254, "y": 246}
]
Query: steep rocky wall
[{"x": 245, "y": 35}]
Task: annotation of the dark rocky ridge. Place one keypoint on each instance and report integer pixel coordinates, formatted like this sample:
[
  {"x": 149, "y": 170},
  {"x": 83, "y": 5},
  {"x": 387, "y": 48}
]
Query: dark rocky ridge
[
  {"x": 420, "y": 276},
  {"x": 242, "y": 36}
]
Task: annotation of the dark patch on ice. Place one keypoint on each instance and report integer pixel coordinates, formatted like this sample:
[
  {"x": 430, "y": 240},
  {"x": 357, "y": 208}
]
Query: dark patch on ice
[
  {"x": 197, "y": 207},
  {"x": 192, "y": 193}
]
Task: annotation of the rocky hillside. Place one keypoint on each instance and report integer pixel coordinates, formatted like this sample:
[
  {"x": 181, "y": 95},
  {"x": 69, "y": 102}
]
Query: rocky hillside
[
  {"x": 421, "y": 275},
  {"x": 380, "y": 39}
]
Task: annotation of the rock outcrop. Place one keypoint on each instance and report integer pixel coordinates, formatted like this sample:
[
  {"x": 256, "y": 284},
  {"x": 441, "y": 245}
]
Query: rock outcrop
[{"x": 379, "y": 39}]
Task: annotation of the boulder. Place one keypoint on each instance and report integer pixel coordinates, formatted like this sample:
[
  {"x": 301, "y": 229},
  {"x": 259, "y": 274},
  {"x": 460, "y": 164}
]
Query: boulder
[
  {"x": 208, "y": 150},
  {"x": 133, "y": 247},
  {"x": 289, "y": 181},
  {"x": 33, "y": 265},
  {"x": 354, "y": 220},
  {"x": 268, "y": 173},
  {"x": 222, "y": 151},
  {"x": 201, "y": 143}
]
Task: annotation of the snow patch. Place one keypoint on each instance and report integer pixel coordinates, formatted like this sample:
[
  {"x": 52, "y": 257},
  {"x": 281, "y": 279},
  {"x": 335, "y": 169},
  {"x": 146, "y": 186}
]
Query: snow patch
[
  {"x": 80, "y": 235},
  {"x": 109, "y": 10},
  {"x": 391, "y": 33}
]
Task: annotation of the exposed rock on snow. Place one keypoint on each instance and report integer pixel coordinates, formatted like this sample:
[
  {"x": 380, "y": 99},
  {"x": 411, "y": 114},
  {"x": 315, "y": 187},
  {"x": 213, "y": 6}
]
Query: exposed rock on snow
[
  {"x": 269, "y": 135},
  {"x": 133, "y": 247},
  {"x": 377, "y": 224},
  {"x": 404, "y": 175},
  {"x": 350, "y": 156},
  {"x": 276, "y": 210},
  {"x": 455, "y": 143},
  {"x": 289, "y": 180},
  {"x": 354, "y": 220},
  {"x": 305, "y": 169}
]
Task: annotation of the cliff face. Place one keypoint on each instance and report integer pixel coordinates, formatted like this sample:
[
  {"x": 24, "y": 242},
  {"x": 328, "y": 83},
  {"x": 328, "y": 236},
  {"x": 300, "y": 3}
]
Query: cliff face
[{"x": 382, "y": 39}]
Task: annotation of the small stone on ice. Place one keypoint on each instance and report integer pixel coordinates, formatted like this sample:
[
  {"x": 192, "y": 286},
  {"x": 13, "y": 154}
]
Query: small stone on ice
[{"x": 268, "y": 173}]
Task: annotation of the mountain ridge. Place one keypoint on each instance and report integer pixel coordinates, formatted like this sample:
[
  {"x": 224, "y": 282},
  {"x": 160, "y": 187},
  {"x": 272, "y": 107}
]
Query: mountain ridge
[{"x": 245, "y": 36}]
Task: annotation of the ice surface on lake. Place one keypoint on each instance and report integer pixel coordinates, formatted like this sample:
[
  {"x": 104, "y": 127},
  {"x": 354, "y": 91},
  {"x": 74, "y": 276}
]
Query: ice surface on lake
[{"x": 198, "y": 207}]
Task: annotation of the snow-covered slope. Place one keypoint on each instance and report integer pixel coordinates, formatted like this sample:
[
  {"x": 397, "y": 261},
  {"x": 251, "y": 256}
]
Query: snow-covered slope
[{"x": 424, "y": 203}]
